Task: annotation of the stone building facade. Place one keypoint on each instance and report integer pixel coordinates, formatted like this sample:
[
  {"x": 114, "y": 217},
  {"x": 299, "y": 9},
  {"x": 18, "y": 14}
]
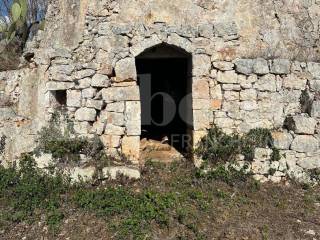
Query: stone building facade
[{"x": 252, "y": 64}]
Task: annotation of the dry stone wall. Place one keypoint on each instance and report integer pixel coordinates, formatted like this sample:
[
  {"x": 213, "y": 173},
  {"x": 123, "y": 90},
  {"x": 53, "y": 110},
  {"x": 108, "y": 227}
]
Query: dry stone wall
[{"x": 85, "y": 61}]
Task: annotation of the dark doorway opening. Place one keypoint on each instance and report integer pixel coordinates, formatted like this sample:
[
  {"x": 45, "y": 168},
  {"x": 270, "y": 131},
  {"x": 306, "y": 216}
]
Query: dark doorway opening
[{"x": 165, "y": 75}]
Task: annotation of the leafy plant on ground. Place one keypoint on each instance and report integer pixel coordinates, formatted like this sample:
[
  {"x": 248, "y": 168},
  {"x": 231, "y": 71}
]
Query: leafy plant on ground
[
  {"x": 218, "y": 147},
  {"x": 27, "y": 188}
]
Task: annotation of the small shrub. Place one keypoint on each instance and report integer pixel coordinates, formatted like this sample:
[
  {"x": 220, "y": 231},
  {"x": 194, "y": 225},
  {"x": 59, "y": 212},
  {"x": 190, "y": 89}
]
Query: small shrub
[
  {"x": 218, "y": 147},
  {"x": 2, "y": 144},
  {"x": 27, "y": 189},
  {"x": 225, "y": 174}
]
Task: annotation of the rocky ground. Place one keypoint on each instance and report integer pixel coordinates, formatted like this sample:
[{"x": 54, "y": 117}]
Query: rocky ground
[{"x": 222, "y": 207}]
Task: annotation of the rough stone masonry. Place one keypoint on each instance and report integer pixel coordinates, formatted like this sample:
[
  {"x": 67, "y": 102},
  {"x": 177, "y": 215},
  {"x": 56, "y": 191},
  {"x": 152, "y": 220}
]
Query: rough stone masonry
[{"x": 254, "y": 65}]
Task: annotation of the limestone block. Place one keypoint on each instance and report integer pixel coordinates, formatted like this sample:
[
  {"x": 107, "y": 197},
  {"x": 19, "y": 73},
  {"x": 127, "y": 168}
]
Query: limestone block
[
  {"x": 224, "y": 123},
  {"x": 116, "y": 94},
  {"x": 144, "y": 44},
  {"x": 223, "y": 65},
  {"x": 83, "y": 83},
  {"x": 260, "y": 167},
  {"x": 231, "y": 96},
  {"x": 260, "y": 66},
  {"x": 126, "y": 70},
  {"x": 202, "y": 119},
  {"x": 73, "y": 98},
  {"x": 130, "y": 147},
  {"x": 114, "y": 130},
  {"x": 262, "y": 154},
  {"x": 98, "y": 128},
  {"x": 61, "y": 70},
  {"x": 266, "y": 83},
  {"x": 100, "y": 80},
  {"x": 114, "y": 118},
  {"x": 244, "y": 66},
  {"x": 315, "y": 109},
  {"x": 201, "y": 65},
  {"x": 206, "y": 30},
  {"x": 216, "y": 104},
  {"x": 97, "y": 104},
  {"x": 86, "y": 114},
  {"x": 305, "y": 143},
  {"x": 111, "y": 141},
  {"x": 83, "y": 74},
  {"x": 226, "y": 29},
  {"x": 280, "y": 66},
  {"x": 199, "y": 104},
  {"x": 248, "y": 105},
  {"x": 247, "y": 81},
  {"x": 197, "y": 137},
  {"x": 248, "y": 95},
  {"x": 200, "y": 89},
  {"x": 55, "y": 86},
  {"x": 114, "y": 172},
  {"x": 133, "y": 111},
  {"x": 293, "y": 81},
  {"x": 314, "y": 85},
  {"x": 216, "y": 92},
  {"x": 133, "y": 128},
  {"x": 227, "y": 77},
  {"x": 78, "y": 174},
  {"x": 44, "y": 160},
  {"x": 282, "y": 140},
  {"x": 309, "y": 162},
  {"x": 301, "y": 124},
  {"x": 115, "y": 107},
  {"x": 314, "y": 70},
  {"x": 89, "y": 92},
  {"x": 231, "y": 87},
  {"x": 81, "y": 128}
]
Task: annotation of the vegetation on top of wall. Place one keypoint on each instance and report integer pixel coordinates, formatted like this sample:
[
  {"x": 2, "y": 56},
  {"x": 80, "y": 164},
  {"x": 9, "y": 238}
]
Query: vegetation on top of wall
[
  {"x": 17, "y": 18},
  {"x": 218, "y": 147}
]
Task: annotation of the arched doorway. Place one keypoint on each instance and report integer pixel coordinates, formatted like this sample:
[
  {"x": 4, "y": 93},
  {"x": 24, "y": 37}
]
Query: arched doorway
[{"x": 165, "y": 82}]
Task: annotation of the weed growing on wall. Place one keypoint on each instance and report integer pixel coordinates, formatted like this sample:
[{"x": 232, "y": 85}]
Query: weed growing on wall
[{"x": 218, "y": 147}]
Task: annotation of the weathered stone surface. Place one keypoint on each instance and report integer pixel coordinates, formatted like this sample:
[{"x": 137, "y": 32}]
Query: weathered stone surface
[
  {"x": 81, "y": 128},
  {"x": 86, "y": 114},
  {"x": 305, "y": 143},
  {"x": 227, "y": 77},
  {"x": 244, "y": 66},
  {"x": 201, "y": 65},
  {"x": 228, "y": 30},
  {"x": 89, "y": 92},
  {"x": 293, "y": 81},
  {"x": 126, "y": 70},
  {"x": 82, "y": 174},
  {"x": 54, "y": 86},
  {"x": 260, "y": 66},
  {"x": 114, "y": 130},
  {"x": 314, "y": 70},
  {"x": 301, "y": 124},
  {"x": 282, "y": 140},
  {"x": 130, "y": 93},
  {"x": 202, "y": 119},
  {"x": 280, "y": 66},
  {"x": 224, "y": 66},
  {"x": 266, "y": 83},
  {"x": 309, "y": 162},
  {"x": 114, "y": 118},
  {"x": 73, "y": 98},
  {"x": 114, "y": 172},
  {"x": 262, "y": 154},
  {"x": 111, "y": 141},
  {"x": 97, "y": 104},
  {"x": 83, "y": 83},
  {"x": 100, "y": 80},
  {"x": 201, "y": 89},
  {"x": 315, "y": 109},
  {"x": 83, "y": 74},
  {"x": 131, "y": 147},
  {"x": 115, "y": 107},
  {"x": 248, "y": 95}
]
